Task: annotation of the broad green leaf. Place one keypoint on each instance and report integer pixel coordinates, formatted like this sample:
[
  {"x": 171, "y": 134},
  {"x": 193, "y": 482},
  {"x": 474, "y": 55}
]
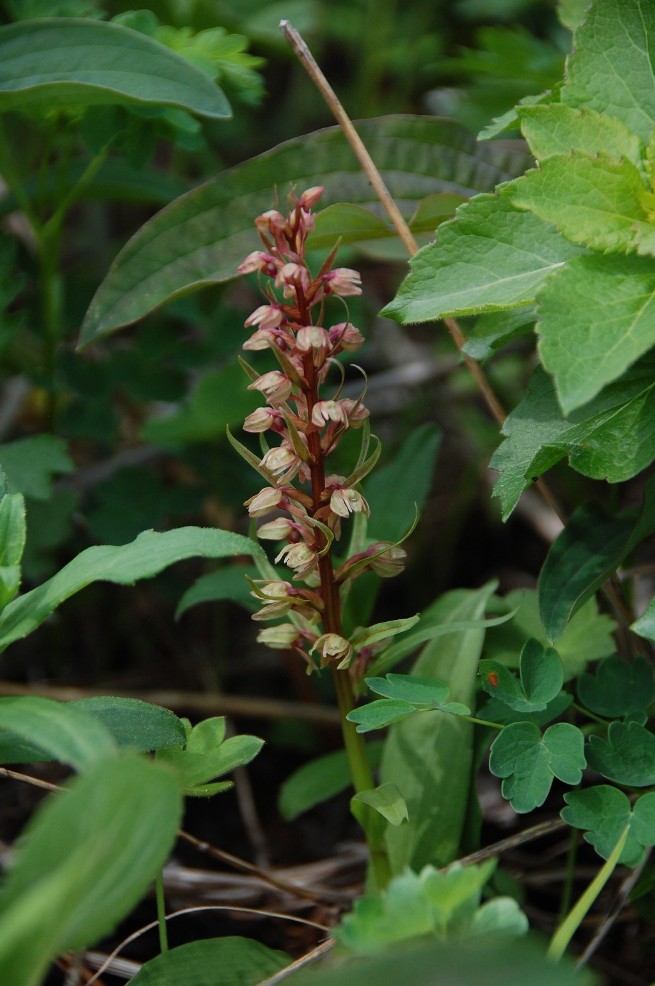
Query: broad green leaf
[
  {"x": 202, "y": 237},
  {"x": 430, "y": 756},
  {"x": 218, "y": 398},
  {"x": 70, "y": 886},
  {"x": 395, "y": 490},
  {"x": 483, "y": 963},
  {"x": 572, "y": 13},
  {"x": 319, "y": 780},
  {"x": 228, "y": 961},
  {"x": 380, "y": 713},
  {"x": 56, "y": 729},
  {"x": 619, "y": 687},
  {"x": 591, "y": 546},
  {"x": 597, "y": 316},
  {"x": 528, "y": 762},
  {"x": 627, "y": 756},
  {"x": 31, "y": 463},
  {"x": 12, "y": 544},
  {"x": 386, "y": 800},
  {"x": 587, "y": 637},
  {"x": 605, "y": 811},
  {"x": 492, "y": 256},
  {"x": 146, "y": 556},
  {"x": 612, "y": 437},
  {"x": 558, "y": 129},
  {"x": 541, "y": 678},
  {"x": 611, "y": 68},
  {"x": 592, "y": 199},
  {"x": 227, "y": 583},
  {"x": 83, "y": 62}
]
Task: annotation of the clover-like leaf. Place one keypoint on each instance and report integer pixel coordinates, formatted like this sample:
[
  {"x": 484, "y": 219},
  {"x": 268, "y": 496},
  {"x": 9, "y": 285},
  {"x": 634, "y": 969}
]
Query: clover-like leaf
[
  {"x": 542, "y": 676},
  {"x": 528, "y": 761},
  {"x": 208, "y": 755},
  {"x": 619, "y": 687},
  {"x": 627, "y": 756},
  {"x": 380, "y": 713},
  {"x": 605, "y": 811},
  {"x": 421, "y": 693}
]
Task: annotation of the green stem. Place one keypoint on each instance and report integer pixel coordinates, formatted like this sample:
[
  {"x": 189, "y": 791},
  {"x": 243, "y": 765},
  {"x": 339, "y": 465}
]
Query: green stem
[
  {"x": 161, "y": 912},
  {"x": 576, "y": 916}
]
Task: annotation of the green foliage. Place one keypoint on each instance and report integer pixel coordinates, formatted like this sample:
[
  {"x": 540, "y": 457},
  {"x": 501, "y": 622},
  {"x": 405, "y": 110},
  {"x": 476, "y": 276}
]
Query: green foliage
[
  {"x": 319, "y": 780},
  {"x": 626, "y": 756},
  {"x": 228, "y": 961},
  {"x": 112, "y": 65},
  {"x": 619, "y": 687},
  {"x": 444, "y": 904},
  {"x": 541, "y": 678},
  {"x": 528, "y": 762},
  {"x": 207, "y": 755},
  {"x": 191, "y": 245},
  {"x": 604, "y": 812},
  {"x": 68, "y": 886}
]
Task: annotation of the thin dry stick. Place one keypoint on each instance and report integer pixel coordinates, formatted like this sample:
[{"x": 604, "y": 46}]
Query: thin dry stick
[
  {"x": 404, "y": 232},
  {"x": 527, "y": 835},
  {"x": 304, "y": 960}
]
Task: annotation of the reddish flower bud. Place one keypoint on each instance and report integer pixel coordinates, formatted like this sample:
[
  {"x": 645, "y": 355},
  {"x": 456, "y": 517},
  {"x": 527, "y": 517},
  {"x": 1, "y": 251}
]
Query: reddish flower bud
[
  {"x": 259, "y": 260},
  {"x": 273, "y": 385},
  {"x": 266, "y": 317},
  {"x": 344, "y": 335},
  {"x": 310, "y": 197},
  {"x": 314, "y": 339},
  {"x": 342, "y": 281},
  {"x": 265, "y": 501},
  {"x": 262, "y": 419}
]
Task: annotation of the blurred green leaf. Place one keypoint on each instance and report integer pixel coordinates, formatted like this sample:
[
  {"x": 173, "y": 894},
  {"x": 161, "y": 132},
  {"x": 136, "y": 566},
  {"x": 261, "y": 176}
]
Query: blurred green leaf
[
  {"x": 60, "y": 731},
  {"x": 59, "y": 62},
  {"x": 69, "y": 886},
  {"x": 30, "y": 464},
  {"x": 619, "y": 687},
  {"x": 605, "y": 811},
  {"x": 319, "y": 780}
]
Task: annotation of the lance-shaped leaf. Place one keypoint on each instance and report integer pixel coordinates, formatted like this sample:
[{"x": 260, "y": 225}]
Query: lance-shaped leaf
[
  {"x": 69, "y": 61},
  {"x": 591, "y": 199},
  {"x": 528, "y": 761},
  {"x": 611, "y": 68},
  {"x": 597, "y": 316},
  {"x": 619, "y": 687},
  {"x": 491, "y": 257},
  {"x": 627, "y": 756},
  {"x": 605, "y": 811},
  {"x": 202, "y": 237},
  {"x": 142, "y": 558},
  {"x": 612, "y": 437}
]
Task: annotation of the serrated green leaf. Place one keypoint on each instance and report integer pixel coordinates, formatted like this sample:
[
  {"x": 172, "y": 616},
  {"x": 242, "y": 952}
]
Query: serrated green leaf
[
  {"x": 125, "y": 564},
  {"x": 627, "y": 756},
  {"x": 228, "y": 961},
  {"x": 202, "y": 237},
  {"x": 612, "y": 437},
  {"x": 605, "y": 811},
  {"x": 558, "y": 129},
  {"x": 83, "y": 62},
  {"x": 528, "y": 761},
  {"x": 30, "y": 464},
  {"x": 611, "y": 68},
  {"x": 380, "y": 713},
  {"x": 59, "y": 730},
  {"x": 619, "y": 687},
  {"x": 69, "y": 886},
  {"x": 597, "y": 316},
  {"x": 591, "y": 199},
  {"x": 591, "y": 546},
  {"x": 319, "y": 780},
  {"x": 386, "y": 800},
  {"x": 491, "y": 257}
]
